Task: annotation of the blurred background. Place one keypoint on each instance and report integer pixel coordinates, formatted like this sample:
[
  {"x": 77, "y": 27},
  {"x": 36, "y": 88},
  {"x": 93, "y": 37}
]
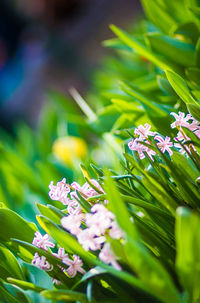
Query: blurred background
[
  {"x": 46, "y": 48},
  {"x": 52, "y": 44}
]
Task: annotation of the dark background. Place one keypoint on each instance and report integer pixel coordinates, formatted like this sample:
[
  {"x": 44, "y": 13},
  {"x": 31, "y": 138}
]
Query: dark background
[{"x": 52, "y": 43}]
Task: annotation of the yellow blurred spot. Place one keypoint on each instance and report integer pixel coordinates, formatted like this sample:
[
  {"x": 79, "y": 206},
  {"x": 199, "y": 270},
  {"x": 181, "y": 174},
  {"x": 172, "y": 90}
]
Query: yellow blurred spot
[{"x": 68, "y": 149}]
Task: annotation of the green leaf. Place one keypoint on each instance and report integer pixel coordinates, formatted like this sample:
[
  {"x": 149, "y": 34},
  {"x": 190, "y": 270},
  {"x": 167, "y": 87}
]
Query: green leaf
[
  {"x": 10, "y": 263},
  {"x": 140, "y": 48},
  {"x": 65, "y": 295},
  {"x": 25, "y": 285},
  {"x": 177, "y": 51},
  {"x": 180, "y": 87},
  {"x": 119, "y": 208},
  {"x": 194, "y": 110},
  {"x": 157, "y": 13},
  {"x": 50, "y": 213},
  {"x": 193, "y": 74},
  {"x": 188, "y": 251},
  {"x": 15, "y": 226}
]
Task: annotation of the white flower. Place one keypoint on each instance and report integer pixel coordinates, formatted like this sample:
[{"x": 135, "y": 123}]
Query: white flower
[
  {"x": 181, "y": 120},
  {"x": 164, "y": 144},
  {"x": 72, "y": 223},
  {"x": 75, "y": 266},
  {"x": 107, "y": 256},
  {"x": 60, "y": 191},
  {"x": 61, "y": 255},
  {"x": 41, "y": 262},
  {"x": 143, "y": 131},
  {"x": 88, "y": 240},
  {"x": 115, "y": 231},
  {"x": 42, "y": 241}
]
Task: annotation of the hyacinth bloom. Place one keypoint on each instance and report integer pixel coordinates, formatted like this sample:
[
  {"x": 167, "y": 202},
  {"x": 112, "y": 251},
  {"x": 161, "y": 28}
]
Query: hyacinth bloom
[
  {"x": 98, "y": 223},
  {"x": 181, "y": 120},
  {"x": 134, "y": 145},
  {"x": 60, "y": 191},
  {"x": 42, "y": 262},
  {"x": 61, "y": 255},
  {"x": 143, "y": 131},
  {"x": 115, "y": 232},
  {"x": 86, "y": 190},
  {"x": 72, "y": 223},
  {"x": 182, "y": 150},
  {"x": 181, "y": 137},
  {"x": 164, "y": 144},
  {"x": 107, "y": 256},
  {"x": 42, "y": 241},
  {"x": 88, "y": 240},
  {"x": 75, "y": 266}
]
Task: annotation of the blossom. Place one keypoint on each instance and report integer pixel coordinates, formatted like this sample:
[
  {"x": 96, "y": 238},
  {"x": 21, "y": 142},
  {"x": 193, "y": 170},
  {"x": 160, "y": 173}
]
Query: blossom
[
  {"x": 194, "y": 125},
  {"x": 60, "y": 191},
  {"x": 98, "y": 223},
  {"x": 72, "y": 223},
  {"x": 106, "y": 255},
  {"x": 181, "y": 137},
  {"x": 182, "y": 149},
  {"x": 101, "y": 209},
  {"x": 41, "y": 262},
  {"x": 61, "y": 255},
  {"x": 75, "y": 266},
  {"x": 134, "y": 145},
  {"x": 115, "y": 231},
  {"x": 86, "y": 190},
  {"x": 42, "y": 241},
  {"x": 88, "y": 240},
  {"x": 164, "y": 144},
  {"x": 143, "y": 131},
  {"x": 181, "y": 120}
]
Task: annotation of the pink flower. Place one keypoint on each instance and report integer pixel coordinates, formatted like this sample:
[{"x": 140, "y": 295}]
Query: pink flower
[
  {"x": 138, "y": 147},
  {"x": 181, "y": 137},
  {"x": 181, "y": 120},
  {"x": 115, "y": 231},
  {"x": 144, "y": 131},
  {"x": 107, "y": 256},
  {"x": 72, "y": 223},
  {"x": 41, "y": 262},
  {"x": 98, "y": 223},
  {"x": 134, "y": 145},
  {"x": 60, "y": 191},
  {"x": 42, "y": 241},
  {"x": 194, "y": 125},
  {"x": 101, "y": 209},
  {"x": 86, "y": 190},
  {"x": 61, "y": 255},
  {"x": 164, "y": 144},
  {"x": 75, "y": 266},
  {"x": 88, "y": 240},
  {"x": 182, "y": 150}
]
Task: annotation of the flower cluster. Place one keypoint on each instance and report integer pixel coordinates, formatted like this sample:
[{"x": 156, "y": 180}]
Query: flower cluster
[
  {"x": 99, "y": 223},
  {"x": 62, "y": 192},
  {"x": 75, "y": 264},
  {"x": 143, "y": 133},
  {"x": 89, "y": 228}
]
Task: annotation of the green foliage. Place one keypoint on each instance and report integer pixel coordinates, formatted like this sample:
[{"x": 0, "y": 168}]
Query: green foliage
[{"x": 155, "y": 71}]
